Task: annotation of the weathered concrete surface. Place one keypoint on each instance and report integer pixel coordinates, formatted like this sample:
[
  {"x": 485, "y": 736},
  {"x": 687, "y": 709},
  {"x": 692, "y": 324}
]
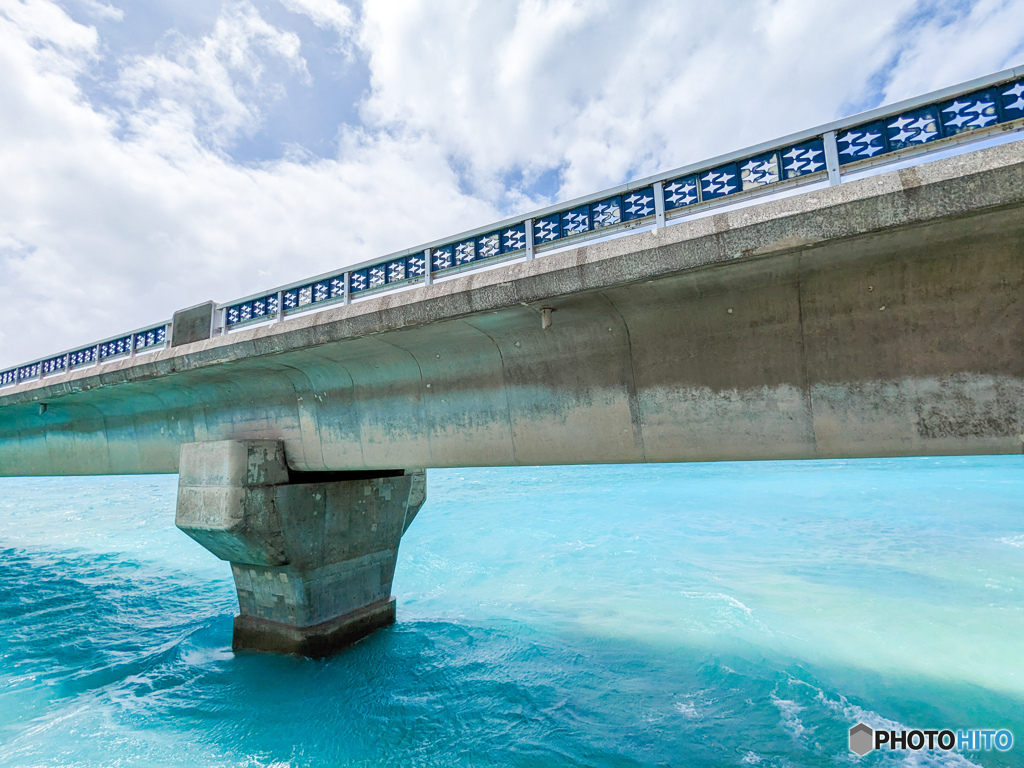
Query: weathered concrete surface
[
  {"x": 313, "y": 559},
  {"x": 880, "y": 317}
]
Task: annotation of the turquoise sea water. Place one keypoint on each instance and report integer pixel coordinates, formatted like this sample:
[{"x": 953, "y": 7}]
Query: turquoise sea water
[{"x": 675, "y": 615}]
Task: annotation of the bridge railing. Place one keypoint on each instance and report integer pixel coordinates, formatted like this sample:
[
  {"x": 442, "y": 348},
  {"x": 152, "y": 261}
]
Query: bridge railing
[
  {"x": 147, "y": 339},
  {"x": 969, "y": 112}
]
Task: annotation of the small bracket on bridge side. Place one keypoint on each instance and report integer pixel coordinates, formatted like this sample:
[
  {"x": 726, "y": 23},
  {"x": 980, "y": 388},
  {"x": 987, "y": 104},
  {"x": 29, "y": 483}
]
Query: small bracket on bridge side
[
  {"x": 545, "y": 314},
  {"x": 545, "y": 317}
]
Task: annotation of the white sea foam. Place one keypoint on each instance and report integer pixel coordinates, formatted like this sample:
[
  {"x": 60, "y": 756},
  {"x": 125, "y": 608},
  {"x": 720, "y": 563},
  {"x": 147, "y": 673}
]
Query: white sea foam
[
  {"x": 791, "y": 721},
  {"x": 728, "y": 599},
  {"x": 996, "y": 584},
  {"x": 923, "y": 759},
  {"x": 686, "y": 709}
]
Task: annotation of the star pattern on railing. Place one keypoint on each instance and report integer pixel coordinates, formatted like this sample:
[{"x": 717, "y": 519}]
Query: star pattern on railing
[
  {"x": 718, "y": 183},
  {"x": 576, "y": 221},
  {"x": 441, "y": 258},
  {"x": 488, "y": 246},
  {"x": 803, "y": 159},
  {"x": 638, "y": 204},
  {"x": 547, "y": 229},
  {"x": 513, "y": 239},
  {"x": 862, "y": 142},
  {"x": 899, "y": 131},
  {"x": 465, "y": 252},
  {"x": 1013, "y": 101},
  {"x": 681, "y": 192},
  {"x": 760, "y": 171},
  {"x": 912, "y": 128},
  {"x": 607, "y": 213}
]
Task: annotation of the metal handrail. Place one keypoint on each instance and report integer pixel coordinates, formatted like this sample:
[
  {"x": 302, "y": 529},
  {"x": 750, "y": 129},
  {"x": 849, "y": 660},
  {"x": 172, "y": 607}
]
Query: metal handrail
[{"x": 767, "y": 175}]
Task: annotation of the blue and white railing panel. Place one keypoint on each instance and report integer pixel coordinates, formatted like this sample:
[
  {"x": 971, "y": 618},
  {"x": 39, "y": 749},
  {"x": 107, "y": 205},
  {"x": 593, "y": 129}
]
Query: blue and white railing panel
[
  {"x": 116, "y": 347},
  {"x": 616, "y": 211},
  {"x": 928, "y": 123},
  {"x": 278, "y": 304},
  {"x": 312, "y": 293},
  {"x": 945, "y": 119},
  {"x": 256, "y": 309},
  {"x": 803, "y": 159},
  {"x": 29, "y": 371},
  {"x": 154, "y": 337},
  {"x": 55, "y": 364},
  {"x": 806, "y": 159},
  {"x": 83, "y": 357},
  {"x": 394, "y": 272},
  {"x": 110, "y": 349}
]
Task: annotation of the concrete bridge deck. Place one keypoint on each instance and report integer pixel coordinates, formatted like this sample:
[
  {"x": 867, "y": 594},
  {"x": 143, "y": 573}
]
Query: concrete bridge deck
[{"x": 881, "y": 317}]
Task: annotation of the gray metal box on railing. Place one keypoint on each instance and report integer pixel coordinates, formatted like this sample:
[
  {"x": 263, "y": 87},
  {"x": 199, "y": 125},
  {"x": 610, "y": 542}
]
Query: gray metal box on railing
[
  {"x": 978, "y": 109},
  {"x": 193, "y": 324}
]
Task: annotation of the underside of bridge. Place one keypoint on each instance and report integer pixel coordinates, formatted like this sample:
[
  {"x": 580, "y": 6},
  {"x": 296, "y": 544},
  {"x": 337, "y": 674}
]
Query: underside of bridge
[{"x": 881, "y": 317}]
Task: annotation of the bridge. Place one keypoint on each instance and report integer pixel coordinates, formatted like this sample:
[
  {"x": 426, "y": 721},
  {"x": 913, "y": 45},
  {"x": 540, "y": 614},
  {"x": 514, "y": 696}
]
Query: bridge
[{"x": 792, "y": 300}]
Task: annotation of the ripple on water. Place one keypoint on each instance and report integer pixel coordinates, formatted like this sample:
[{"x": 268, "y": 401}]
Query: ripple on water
[{"x": 625, "y": 616}]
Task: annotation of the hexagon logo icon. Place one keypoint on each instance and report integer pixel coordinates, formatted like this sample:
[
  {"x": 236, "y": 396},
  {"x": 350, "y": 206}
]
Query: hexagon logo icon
[{"x": 861, "y": 739}]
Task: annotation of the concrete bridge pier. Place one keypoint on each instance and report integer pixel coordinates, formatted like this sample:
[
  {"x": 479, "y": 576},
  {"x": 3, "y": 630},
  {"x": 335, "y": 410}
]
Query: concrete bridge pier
[{"x": 313, "y": 553}]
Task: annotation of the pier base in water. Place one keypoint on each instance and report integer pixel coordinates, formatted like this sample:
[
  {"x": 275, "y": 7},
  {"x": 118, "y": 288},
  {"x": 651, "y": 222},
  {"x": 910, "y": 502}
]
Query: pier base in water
[
  {"x": 255, "y": 634},
  {"x": 312, "y": 554}
]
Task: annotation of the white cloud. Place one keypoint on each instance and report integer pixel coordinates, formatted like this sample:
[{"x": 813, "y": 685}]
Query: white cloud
[
  {"x": 114, "y": 215},
  {"x": 61, "y": 46},
  {"x": 326, "y": 14},
  {"x": 100, "y": 10},
  {"x": 213, "y": 86},
  {"x": 956, "y": 43},
  {"x": 605, "y": 90},
  {"x": 101, "y": 231}
]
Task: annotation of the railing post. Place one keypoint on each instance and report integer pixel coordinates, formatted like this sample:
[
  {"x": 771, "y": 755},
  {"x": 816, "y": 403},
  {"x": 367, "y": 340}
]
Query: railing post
[
  {"x": 796, "y": 143},
  {"x": 659, "y": 205},
  {"x": 832, "y": 157}
]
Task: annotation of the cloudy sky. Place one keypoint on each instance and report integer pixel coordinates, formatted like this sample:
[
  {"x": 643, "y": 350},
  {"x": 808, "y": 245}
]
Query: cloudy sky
[{"x": 157, "y": 154}]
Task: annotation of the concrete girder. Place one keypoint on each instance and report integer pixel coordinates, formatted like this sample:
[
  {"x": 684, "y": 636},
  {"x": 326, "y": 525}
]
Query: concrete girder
[{"x": 879, "y": 317}]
